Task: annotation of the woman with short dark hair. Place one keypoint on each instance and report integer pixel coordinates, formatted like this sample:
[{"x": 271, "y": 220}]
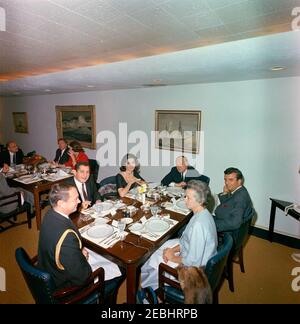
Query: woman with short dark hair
[{"x": 129, "y": 177}]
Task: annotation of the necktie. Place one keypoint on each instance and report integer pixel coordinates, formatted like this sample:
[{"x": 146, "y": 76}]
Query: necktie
[
  {"x": 14, "y": 159},
  {"x": 61, "y": 154},
  {"x": 182, "y": 177},
  {"x": 85, "y": 196}
]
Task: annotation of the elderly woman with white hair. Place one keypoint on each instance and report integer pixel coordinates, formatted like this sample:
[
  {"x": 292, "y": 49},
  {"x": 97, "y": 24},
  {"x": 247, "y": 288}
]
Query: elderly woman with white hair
[{"x": 197, "y": 244}]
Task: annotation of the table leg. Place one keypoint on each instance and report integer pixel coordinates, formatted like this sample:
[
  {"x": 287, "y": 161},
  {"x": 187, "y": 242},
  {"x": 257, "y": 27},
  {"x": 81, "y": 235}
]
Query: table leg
[
  {"x": 131, "y": 283},
  {"x": 272, "y": 221},
  {"x": 37, "y": 208}
]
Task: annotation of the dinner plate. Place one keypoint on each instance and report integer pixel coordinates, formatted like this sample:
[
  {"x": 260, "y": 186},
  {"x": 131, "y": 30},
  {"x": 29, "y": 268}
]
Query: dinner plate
[
  {"x": 100, "y": 231},
  {"x": 136, "y": 227},
  {"x": 181, "y": 204},
  {"x": 104, "y": 206},
  {"x": 101, "y": 221},
  {"x": 156, "y": 225}
]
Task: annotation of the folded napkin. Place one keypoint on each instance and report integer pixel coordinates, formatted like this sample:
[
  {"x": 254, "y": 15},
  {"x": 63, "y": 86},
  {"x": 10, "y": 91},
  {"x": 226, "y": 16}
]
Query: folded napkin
[
  {"x": 172, "y": 207},
  {"x": 154, "y": 236}
]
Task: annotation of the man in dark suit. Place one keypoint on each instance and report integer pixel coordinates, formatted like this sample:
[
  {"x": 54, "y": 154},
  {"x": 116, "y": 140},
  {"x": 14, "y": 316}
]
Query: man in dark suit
[
  {"x": 60, "y": 250},
  {"x": 6, "y": 190},
  {"x": 12, "y": 156},
  {"x": 180, "y": 175},
  {"x": 234, "y": 202},
  {"x": 61, "y": 155},
  {"x": 85, "y": 184}
]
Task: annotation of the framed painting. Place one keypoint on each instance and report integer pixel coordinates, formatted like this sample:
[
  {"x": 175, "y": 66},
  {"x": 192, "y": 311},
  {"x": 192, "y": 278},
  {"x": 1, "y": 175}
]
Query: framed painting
[
  {"x": 178, "y": 130},
  {"x": 20, "y": 122},
  {"x": 77, "y": 123}
]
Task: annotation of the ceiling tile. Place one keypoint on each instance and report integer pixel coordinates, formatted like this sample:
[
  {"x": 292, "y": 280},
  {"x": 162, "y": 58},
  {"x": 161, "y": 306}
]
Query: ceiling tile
[{"x": 184, "y": 8}]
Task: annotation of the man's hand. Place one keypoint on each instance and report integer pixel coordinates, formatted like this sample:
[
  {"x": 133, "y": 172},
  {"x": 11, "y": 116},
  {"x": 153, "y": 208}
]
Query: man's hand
[
  {"x": 85, "y": 253},
  {"x": 225, "y": 190},
  {"x": 85, "y": 204},
  {"x": 181, "y": 184},
  {"x": 5, "y": 168}
]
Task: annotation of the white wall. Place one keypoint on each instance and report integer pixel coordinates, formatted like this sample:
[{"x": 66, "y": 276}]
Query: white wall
[{"x": 253, "y": 125}]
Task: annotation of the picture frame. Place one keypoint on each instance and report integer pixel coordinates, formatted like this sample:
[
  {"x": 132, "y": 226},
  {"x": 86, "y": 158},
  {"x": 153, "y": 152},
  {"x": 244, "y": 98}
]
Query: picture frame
[
  {"x": 77, "y": 123},
  {"x": 20, "y": 121},
  {"x": 178, "y": 130}
]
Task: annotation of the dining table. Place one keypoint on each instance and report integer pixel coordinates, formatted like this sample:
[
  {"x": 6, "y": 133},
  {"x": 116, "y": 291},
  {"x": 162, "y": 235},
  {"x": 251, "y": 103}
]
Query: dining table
[
  {"x": 38, "y": 187},
  {"x": 134, "y": 250}
]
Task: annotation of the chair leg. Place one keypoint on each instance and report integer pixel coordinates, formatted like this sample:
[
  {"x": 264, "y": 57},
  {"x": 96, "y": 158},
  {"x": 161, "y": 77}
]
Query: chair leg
[
  {"x": 241, "y": 260},
  {"x": 216, "y": 298},
  {"x": 230, "y": 275},
  {"x": 29, "y": 219}
]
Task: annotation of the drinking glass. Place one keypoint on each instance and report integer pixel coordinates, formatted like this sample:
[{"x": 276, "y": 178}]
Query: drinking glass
[
  {"x": 154, "y": 210},
  {"x": 121, "y": 227}
]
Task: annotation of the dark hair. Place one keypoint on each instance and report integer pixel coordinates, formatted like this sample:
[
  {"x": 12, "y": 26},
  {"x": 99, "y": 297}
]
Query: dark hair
[
  {"x": 59, "y": 192},
  {"x": 201, "y": 189},
  {"x": 239, "y": 174},
  {"x": 76, "y": 146},
  {"x": 10, "y": 142},
  {"x": 62, "y": 139},
  {"x": 126, "y": 158},
  {"x": 79, "y": 164}
]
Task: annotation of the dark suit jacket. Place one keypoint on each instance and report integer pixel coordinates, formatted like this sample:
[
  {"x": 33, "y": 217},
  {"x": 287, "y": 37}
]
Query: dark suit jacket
[
  {"x": 175, "y": 176},
  {"x": 91, "y": 188},
  {"x": 5, "y": 157},
  {"x": 232, "y": 210},
  {"x": 71, "y": 268},
  {"x": 65, "y": 157}
]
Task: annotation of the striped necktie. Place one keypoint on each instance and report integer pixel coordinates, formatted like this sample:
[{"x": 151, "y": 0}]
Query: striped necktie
[{"x": 85, "y": 196}]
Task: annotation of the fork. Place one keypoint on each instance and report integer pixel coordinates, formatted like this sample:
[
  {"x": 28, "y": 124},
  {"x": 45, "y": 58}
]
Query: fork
[{"x": 109, "y": 240}]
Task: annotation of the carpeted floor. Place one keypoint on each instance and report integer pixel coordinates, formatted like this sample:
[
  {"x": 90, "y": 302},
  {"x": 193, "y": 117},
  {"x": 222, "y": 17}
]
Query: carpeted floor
[{"x": 267, "y": 279}]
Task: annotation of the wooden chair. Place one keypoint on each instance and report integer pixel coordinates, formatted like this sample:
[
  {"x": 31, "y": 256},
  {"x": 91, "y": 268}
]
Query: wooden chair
[
  {"x": 42, "y": 288},
  {"x": 239, "y": 239},
  {"x": 170, "y": 290},
  {"x": 11, "y": 217}
]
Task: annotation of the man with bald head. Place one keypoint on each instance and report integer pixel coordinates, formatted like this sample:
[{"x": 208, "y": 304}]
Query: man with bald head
[
  {"x": 180, "y": 175},
  {"x": 12, "y": 156}
]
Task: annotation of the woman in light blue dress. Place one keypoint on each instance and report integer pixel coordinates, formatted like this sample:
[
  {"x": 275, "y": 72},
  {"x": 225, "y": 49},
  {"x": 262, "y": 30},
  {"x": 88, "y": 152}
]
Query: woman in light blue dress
[{"x": 197, "y": 244}]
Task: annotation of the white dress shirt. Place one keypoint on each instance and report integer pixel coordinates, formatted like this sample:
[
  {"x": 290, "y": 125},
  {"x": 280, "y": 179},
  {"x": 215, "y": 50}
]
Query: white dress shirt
[{"x": 79, "y": 187}]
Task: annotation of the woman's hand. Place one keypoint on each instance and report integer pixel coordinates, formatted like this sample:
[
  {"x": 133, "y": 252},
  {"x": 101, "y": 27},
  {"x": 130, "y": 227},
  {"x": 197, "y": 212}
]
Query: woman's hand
[{"x": 168, "y": 255}]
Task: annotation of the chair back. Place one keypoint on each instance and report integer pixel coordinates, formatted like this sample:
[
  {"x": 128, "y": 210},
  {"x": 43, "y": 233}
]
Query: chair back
[
  {"x": 215, "y": 266},
  {"x": 240, "y": 235},
  {"x": 40, "y": 283},
  {"x": 94, "y": 169},
  {"x": 108, "y": 187}
]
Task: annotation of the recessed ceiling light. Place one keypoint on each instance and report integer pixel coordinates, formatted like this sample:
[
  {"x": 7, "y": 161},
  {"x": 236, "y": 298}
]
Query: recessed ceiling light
[
  {"x": 90, "y": 86},
  {"x": 47, "y": 90},
  {"x": 278, "y": 68}
]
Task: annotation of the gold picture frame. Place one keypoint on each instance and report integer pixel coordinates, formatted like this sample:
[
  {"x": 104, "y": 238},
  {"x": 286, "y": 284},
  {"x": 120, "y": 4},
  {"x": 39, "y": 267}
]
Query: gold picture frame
[
  {"x": 20, "y": 122},
  {"x": 178, "y": 130},
  {"x": 77, "y": 123}
]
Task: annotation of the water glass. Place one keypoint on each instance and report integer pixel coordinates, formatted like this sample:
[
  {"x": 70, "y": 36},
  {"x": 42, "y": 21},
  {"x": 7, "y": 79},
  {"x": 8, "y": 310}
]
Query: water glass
[{"x": 121, "y": 227}]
